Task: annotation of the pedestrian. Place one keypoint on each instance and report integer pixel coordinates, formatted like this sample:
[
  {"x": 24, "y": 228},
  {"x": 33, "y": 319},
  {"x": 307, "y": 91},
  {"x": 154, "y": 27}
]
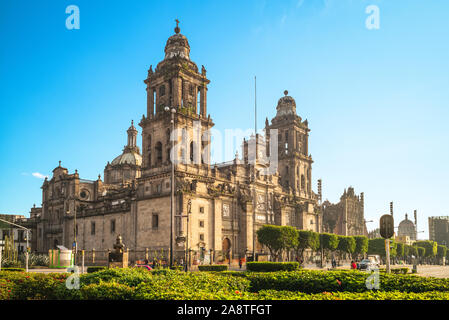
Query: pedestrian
[
  {"x": 334, "y": 263},
  {"x": 240, "y": 263},
  {"x": 353, "y": 265}
]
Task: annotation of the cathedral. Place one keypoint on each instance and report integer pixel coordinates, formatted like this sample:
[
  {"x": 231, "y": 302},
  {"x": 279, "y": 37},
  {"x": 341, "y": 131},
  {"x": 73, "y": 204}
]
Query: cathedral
[{"x": 217, "y": 209}]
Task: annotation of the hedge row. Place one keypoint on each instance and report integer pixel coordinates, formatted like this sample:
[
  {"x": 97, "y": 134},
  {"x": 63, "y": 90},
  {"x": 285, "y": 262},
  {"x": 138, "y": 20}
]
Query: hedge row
[
  {"x": 169, "y": 284},
  {"x": 213, "y": 267},
  {"x": 14, "y": 269},
  {"x": 95, "y": 269},
  {"x": 312, "y": 281},
  {"x": 267, "y": 266}
]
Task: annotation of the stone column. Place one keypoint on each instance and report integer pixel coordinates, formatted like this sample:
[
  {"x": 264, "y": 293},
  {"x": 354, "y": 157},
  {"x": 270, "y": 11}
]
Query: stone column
[{"x": 203, "y": 102}]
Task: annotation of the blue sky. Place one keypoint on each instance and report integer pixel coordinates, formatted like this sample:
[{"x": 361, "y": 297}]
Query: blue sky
[{"x": 376, "y": 100}]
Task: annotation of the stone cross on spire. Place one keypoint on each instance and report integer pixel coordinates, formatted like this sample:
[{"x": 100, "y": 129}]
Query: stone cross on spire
[{"x": 177, "y": 30}]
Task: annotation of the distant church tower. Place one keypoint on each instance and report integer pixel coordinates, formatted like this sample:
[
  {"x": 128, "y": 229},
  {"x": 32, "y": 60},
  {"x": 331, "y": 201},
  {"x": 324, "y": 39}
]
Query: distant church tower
[{"x": 175, "y": 83}]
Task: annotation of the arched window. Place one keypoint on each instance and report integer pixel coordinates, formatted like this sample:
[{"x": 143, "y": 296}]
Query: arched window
[
  {"x": 158, "y": 153},
  {"x": 303, "y": 182}
]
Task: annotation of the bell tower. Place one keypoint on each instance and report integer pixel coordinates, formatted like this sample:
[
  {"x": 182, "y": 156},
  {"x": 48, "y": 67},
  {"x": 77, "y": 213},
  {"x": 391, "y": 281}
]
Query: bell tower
[
  {"x": 295, "y": 164},
  {"x": 175, "y": 83}
]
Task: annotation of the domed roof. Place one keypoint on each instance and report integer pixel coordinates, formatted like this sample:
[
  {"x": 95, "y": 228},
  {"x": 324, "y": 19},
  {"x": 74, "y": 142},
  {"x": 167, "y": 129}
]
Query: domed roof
[
  {"x": 128, "y": 157},
  {"x": 286, "y": 105},
  {"x": 406, "y": 223},
  {"x": 177, "y": 45}
]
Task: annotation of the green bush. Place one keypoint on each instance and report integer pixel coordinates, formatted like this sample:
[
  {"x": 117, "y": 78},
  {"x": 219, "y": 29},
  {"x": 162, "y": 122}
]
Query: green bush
[
  {"x": 95, "y": 269},
  {"x": 213, "y": 267},
  {"x": 13, "y": 269},
  {"x": 400, "y": 270},
  {"x": 312, "y": 281},
  {"x": 107, "y": 291},
  {"x": 267, "y": 266},
  {"x": 367, "y": 295},
  {"x": 136, "y": 283}
]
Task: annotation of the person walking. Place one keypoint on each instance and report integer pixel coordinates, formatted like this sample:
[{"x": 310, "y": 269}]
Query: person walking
[
  {"x": 353, "y": 265},
  {"x": 240, "y": 263}
]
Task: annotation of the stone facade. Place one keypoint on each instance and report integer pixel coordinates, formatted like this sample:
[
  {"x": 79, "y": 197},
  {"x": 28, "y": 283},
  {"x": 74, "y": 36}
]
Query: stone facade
[
  {"x": 346, "y": 217},
  {"x": 224, "y": 204},
  {"x": 407, "y": 228}
]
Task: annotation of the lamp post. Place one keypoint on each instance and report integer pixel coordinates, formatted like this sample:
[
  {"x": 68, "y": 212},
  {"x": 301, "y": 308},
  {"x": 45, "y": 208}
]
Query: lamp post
[
  {"x": 186, "y": 238},
  {"x": 75, "y": 244},
  {"x": 172, "y": 196}
]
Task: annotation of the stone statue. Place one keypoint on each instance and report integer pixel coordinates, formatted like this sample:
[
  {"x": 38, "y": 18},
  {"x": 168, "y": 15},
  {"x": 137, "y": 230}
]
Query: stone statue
[{"x": 119, "y": 246}]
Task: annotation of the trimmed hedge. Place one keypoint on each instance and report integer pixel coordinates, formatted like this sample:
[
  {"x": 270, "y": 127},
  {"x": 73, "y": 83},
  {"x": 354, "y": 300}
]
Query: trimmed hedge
[
  {"x": 14, "y": 269},
  {"x": 267, "y": 266},
  {"x": 137, "y": 283},
  {"x": 95, "y": 269},
  {"x": 213, "y": 267},
  {"x": 312, "y": 281}
]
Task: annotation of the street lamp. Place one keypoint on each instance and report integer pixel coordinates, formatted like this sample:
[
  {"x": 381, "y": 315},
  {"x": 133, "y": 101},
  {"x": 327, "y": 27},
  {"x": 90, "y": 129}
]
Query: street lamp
[
  {"x": 186, "y": 238},
  {"x": 172, "y": 197},
  {"x": 74, "y": 231}
]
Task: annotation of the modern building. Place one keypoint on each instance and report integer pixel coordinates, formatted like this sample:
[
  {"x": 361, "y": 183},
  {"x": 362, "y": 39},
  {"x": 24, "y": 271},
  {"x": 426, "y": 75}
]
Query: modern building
[{"x": 439, "y": 229}]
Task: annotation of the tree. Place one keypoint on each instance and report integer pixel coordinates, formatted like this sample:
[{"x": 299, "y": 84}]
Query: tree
[
  {"x": 421, "y": 251},
  {"x": 277, "y": 239},
  {"x": 441, "y": 251},
  {"x": 361, "y": 246},
  {"x": 377, "y": 246},
  {"x": 346, "y": 244},
  {"x": 430, "y": 247},
  {"x": 307, "y": 240},
  {"x": 400, "y": 250},
  {"x": 328, "y": 242},
  {"x": 289, "y": 237}
]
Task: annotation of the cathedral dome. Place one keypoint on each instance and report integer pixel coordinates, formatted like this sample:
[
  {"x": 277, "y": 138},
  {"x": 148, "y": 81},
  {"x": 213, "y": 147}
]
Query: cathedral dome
[
  {"x": 406, "y": 224},
  {"x": 177, "y": 45},
  {"x": 128, "y": 157},
  {"x": 286, "y": 105}
]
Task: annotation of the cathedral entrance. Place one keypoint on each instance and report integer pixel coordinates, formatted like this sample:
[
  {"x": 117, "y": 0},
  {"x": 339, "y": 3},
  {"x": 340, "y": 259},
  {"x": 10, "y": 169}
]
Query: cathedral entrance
[{"x": 226, "y": 245}]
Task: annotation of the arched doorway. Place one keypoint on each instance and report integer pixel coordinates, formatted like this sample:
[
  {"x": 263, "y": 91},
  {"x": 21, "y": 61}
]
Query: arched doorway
[{"x": 226, "y": 248}]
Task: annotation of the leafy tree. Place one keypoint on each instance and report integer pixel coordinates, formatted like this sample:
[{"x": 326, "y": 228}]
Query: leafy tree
[
  {"x": 430, "y": 247},
  {"x": 277, "y": 238},
  {"x": 377, "y": 246},
  {"x": 361, "y": 246},
  {"x": 346, "y": 244},
  {"x": 400, "y": 250},
  {"x": 421, "y": 251},
  {"x": 328, "y": 242},
  {"x": 289, "y": 237},
  {"x": 307, "y": 240},
  {"x": 441, "y": 251}
]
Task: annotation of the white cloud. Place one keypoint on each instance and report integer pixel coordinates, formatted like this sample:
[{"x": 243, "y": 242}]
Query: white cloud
[{"x": 39, "y": 175}]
